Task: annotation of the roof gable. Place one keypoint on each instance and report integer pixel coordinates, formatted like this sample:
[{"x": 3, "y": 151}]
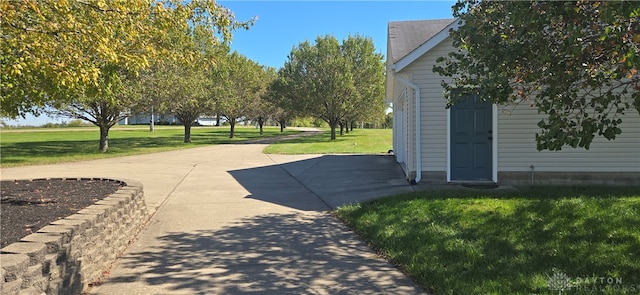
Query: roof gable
[{"x": 408, "y": 40}]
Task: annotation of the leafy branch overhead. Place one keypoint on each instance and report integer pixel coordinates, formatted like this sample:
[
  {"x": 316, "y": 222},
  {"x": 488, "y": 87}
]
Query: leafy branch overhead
[
  {"x": 53, "y": 49},
  {"x": 575, "y": 61},
  {"x": 84, "y": 57}
]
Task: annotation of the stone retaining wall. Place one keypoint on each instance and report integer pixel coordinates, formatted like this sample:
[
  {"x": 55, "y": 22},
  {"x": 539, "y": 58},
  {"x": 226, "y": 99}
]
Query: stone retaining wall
[{"x": 70, "y": 254}]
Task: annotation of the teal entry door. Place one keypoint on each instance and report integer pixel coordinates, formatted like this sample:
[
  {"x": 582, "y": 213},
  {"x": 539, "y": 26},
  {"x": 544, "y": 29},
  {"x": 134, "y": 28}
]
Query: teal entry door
[{"x": 471, "y": 139}]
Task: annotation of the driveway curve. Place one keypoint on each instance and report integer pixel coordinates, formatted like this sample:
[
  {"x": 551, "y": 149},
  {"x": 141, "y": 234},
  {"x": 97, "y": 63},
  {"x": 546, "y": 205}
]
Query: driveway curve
[{"x": 229, "y": 219}]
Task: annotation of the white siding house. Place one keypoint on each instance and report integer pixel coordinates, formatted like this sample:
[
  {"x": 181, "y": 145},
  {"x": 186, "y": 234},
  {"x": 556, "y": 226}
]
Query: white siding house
[{"x": 479, "y": 142}]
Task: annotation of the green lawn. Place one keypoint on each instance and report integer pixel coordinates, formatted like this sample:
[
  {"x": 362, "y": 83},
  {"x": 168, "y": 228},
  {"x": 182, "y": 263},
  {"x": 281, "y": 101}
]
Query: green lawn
[
  {"x": 509, "y": 242},
  {"x": 55, "y": 145},
  {"x": 358, "y": 141}
]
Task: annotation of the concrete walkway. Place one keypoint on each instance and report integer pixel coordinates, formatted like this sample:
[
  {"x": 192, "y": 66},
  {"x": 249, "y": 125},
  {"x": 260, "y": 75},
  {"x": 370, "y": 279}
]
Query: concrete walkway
[{"x": 229, "y": 219}]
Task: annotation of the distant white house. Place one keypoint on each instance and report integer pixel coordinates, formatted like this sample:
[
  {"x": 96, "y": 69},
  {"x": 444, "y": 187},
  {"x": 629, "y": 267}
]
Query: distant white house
[
  {"x": 476, "y": 141},
  {"x": 209, "y": 121},
  {"x": 166, "y": 119},
  {"x": 146, "y": 119}
]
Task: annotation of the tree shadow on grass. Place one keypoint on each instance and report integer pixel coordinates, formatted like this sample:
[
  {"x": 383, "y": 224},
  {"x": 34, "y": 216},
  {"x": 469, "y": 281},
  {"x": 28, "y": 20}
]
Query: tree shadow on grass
[
  {"x": 315, "y": 138},
  {"x": 16, "y": 153},
  {"x": 296, "y": 253}
]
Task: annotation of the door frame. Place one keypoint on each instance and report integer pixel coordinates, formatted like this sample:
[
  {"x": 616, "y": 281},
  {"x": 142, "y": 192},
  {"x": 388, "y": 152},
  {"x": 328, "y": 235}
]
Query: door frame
[{"x": 494, "y": 145}]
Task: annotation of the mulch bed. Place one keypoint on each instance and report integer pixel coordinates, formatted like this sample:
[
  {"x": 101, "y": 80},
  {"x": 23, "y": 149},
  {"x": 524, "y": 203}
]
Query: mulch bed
[{"x": 28, "y": 205}]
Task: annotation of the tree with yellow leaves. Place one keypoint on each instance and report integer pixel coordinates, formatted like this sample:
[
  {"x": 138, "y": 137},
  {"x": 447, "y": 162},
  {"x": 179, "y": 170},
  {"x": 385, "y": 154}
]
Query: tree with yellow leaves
[{"x": 76, "y": 55}]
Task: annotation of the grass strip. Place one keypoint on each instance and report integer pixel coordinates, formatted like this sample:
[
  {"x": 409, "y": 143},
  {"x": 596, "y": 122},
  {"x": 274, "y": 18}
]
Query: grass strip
[
  {"x": 542, "y": 240},
  {"x": 56, "y": 145},
  {"x": 358, "y": 141}
]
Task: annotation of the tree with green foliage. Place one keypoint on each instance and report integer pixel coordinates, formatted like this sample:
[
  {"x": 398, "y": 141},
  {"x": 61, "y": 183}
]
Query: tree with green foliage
[
  {"x": 317, "y": 79},
  {"x": 181, "y": 90},
  {"x": 150, "y": 85},
  {"x": 184, "y": 89},
  {"x": 368, "y": 70},
  {"x": 262, "y": 109},
  {"x": 388, "y": 120},
  {"x": 76, "y": 55},
  {"x": 238, "y": 86},
  {"x": 281, "y": 100},
  {"x": 102, "y": 106},
  {"x": 334, "y": 82},
  {"x": 575, "y": 61}
]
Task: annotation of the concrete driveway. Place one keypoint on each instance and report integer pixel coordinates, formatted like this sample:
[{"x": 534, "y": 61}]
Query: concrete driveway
[{"x": 229, "y": 219}]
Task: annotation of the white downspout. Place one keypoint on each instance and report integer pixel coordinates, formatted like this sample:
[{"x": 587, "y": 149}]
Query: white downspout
[{"x": 418, "y": 145}]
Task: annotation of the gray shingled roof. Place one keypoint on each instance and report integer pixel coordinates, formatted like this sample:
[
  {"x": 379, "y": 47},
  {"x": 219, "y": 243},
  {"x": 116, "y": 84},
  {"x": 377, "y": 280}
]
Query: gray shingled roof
[{"x": 407, "y": 36}]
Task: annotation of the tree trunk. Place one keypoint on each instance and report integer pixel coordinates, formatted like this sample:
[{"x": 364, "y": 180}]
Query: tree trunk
[
  {"x": 341, "y": 130},
  {"x": 333, "y": 131},
  {"x": 104, "y": 138},
  {"x": 261, "y": 130},
  {"x": 217, "y": 119},
  {"x": 151, "y": 126},
  {"x": 282, "y": 125},
  {"x": 187, "y": 132},
  {"x": 232, "y": 124}
]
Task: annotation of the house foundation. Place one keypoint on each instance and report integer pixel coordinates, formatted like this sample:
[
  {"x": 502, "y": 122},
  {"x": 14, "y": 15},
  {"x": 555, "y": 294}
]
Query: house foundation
[{"x": 568, "y": 178}]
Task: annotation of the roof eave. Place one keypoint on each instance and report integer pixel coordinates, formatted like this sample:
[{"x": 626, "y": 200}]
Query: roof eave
[{"x": 426, "y": 46}]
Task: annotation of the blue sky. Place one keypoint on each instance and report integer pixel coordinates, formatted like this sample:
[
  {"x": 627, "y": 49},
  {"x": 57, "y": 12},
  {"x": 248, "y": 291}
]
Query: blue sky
[{"x": 281, "y": 25}]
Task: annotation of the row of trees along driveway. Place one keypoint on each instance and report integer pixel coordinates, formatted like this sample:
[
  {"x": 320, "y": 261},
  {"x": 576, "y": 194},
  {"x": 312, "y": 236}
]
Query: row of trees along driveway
[
  {"x": 102, "y": 61},
  {"x": 99, "y": 61}
]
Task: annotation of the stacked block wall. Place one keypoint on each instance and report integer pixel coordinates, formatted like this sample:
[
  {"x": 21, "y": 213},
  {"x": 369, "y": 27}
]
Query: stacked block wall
[{"x": 70, "y": 254}]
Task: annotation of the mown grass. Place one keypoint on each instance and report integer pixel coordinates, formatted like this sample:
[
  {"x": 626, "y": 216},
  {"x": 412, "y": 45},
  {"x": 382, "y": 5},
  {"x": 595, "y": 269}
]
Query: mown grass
[
  {"x": 358, "y": 141},
  {"x": 48, "y": 146},
  {"x": 509, "y": 242}
]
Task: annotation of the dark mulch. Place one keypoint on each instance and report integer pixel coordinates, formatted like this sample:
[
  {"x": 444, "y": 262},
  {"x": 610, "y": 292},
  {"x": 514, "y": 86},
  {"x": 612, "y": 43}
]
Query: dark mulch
[{"x": 30, "y": 205}]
